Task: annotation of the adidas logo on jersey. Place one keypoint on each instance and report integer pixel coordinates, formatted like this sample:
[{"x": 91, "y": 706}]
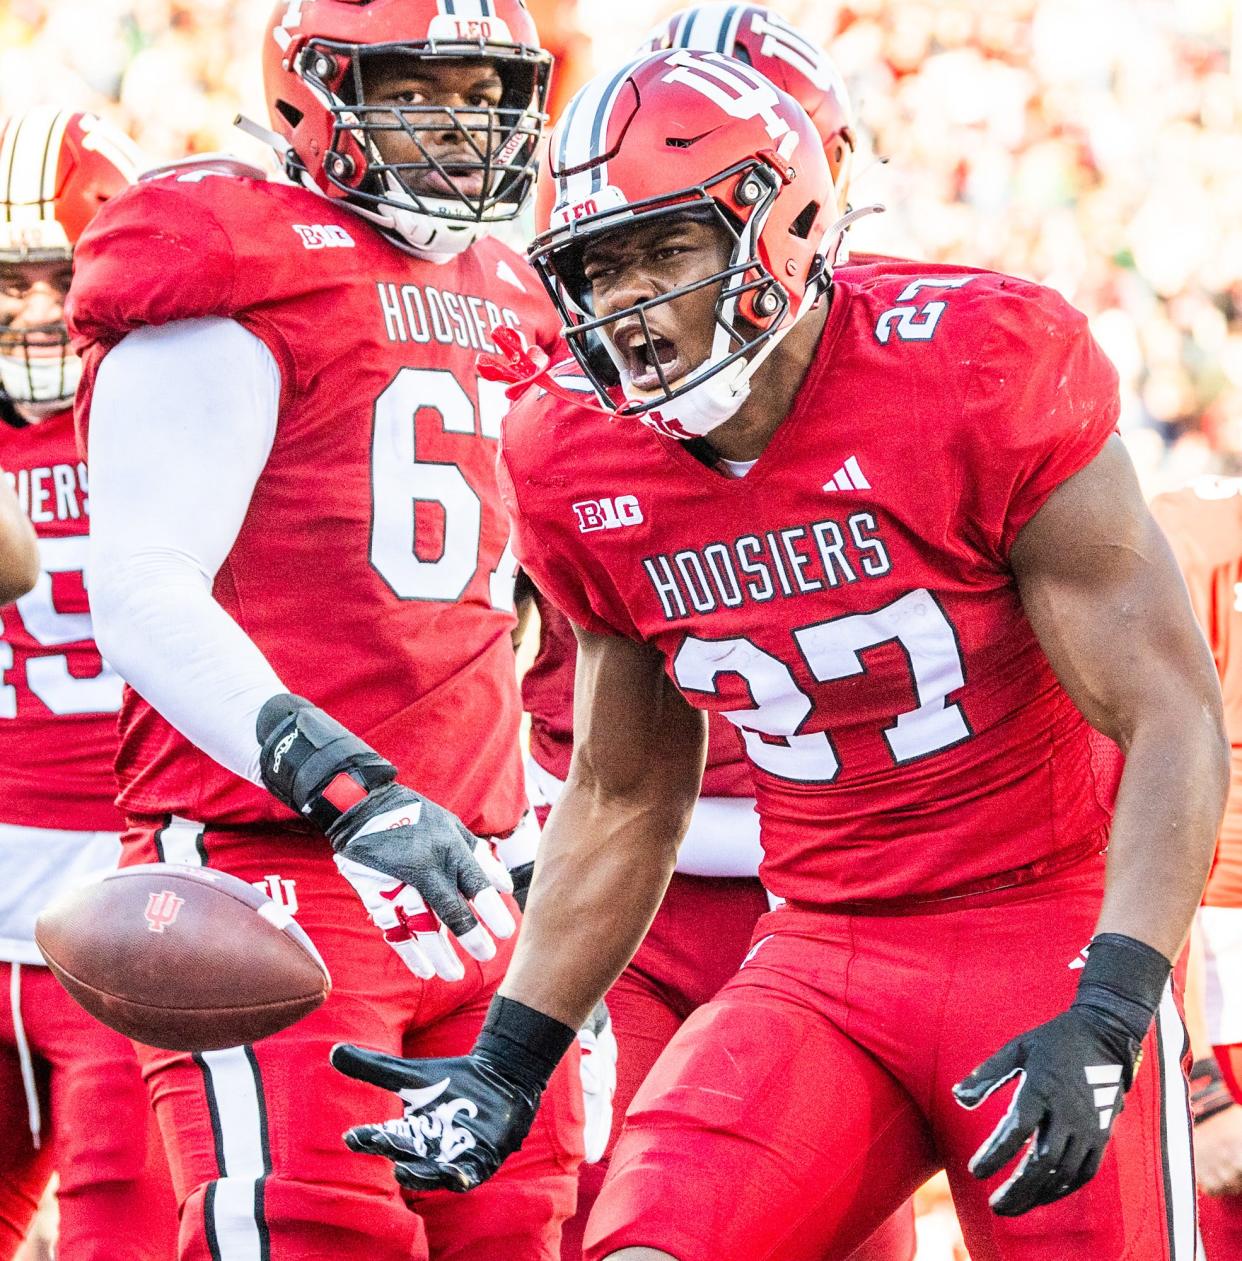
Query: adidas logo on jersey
[
  {"x": 848, "y": 477},
  {"x": 1106, "y": 1080}
]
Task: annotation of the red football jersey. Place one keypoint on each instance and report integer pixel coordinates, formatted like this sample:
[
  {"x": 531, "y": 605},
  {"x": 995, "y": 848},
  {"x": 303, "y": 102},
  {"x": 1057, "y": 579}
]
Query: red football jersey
[
  {"x": 58, "y": 699},
  {"x": 372, "y": 568},
  {"x": 1204, "y": 525},
  {"x": 850, "y": 604},
  {"x": 548, "y": 694}
]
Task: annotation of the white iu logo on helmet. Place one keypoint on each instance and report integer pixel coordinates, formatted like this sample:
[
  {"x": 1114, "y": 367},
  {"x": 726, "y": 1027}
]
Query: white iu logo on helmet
[
  {"x": 112, "y": 144},
  {"x": 736, "y": 89},
  {"x": 782, "y": 41}
]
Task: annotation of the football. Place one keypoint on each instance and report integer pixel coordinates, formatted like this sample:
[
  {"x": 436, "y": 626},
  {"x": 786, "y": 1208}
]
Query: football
[{"x": 183, "y": 958}]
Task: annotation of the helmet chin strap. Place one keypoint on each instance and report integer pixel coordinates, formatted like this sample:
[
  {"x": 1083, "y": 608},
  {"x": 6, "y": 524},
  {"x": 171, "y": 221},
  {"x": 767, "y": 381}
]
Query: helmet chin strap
[
  {"x": 707, "y": 405},
  {"x": 430, "y": 237}
]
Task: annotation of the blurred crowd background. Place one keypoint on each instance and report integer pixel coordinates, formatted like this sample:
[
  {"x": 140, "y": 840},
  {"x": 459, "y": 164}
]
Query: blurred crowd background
[{"x": 1093, "y": 146}]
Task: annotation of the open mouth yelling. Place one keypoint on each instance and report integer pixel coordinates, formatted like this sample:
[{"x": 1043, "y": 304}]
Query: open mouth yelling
[{"x": 646, "y": 357}]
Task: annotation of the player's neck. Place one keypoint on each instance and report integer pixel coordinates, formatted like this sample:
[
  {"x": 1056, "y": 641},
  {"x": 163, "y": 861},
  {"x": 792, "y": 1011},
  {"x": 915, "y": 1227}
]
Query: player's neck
[{"x": 773, "y": 389}]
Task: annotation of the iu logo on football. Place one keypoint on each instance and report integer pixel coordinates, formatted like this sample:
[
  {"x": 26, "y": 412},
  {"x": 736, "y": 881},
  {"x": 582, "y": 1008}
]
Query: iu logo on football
[
  {"x": 282, "y": 892},
  {"x": 162, "y": 909}
]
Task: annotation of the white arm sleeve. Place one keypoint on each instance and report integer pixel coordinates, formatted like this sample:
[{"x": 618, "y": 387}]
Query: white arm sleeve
[
  {"x": 182, "y": 422},
  {"x": 722, "y": 839}
]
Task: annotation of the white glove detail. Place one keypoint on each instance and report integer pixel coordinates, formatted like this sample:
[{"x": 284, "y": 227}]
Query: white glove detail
[
  {"x": 415, "y": 932},
  {"x": 598, "y": 1070}
]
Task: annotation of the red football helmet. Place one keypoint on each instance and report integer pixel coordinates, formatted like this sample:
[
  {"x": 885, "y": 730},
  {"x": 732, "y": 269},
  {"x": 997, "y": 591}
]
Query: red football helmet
[
  {"x": 764, "y": 39},
  {"x": 688, "y": 133},
  {"x": 56, "y": 169},
  {"x": 313, "y": 60}
]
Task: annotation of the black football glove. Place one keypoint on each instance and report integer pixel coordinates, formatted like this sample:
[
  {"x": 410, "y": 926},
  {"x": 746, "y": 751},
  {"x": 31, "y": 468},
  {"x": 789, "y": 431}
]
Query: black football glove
[
  {"x": 463, "y": 1115},
  {"x": 1072, "y": 1074},
  {"x": 417, "y": 868}
]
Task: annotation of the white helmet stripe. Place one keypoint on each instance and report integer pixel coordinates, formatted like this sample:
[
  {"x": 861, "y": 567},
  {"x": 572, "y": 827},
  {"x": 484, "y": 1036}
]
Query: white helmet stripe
[
  {"x": 583, "y": 132},
  {"x": 710, "y": 28},
  {"x": 465, "y": 8},
  {"x": 698, "y": 20},
  {"x": 113, "y": 144}
]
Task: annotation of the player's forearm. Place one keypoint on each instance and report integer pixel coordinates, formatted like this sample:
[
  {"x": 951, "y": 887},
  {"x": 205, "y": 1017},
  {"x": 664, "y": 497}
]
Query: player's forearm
[
  {"x": 1169, "y": 807},
  {"x": 19, "y": 549},
  {"x": 157, "y": 624},
  {"x": 176, "y": 449},
  {"x": 600, "y": 877}
]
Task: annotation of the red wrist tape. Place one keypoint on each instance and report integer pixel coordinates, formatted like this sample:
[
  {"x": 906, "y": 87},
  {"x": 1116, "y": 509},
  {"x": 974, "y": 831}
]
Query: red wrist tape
[{"x": 343, "y": 791}]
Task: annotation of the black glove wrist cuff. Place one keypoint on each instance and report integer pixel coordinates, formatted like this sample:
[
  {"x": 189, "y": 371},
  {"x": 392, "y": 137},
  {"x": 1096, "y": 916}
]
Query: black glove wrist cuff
[
  {"x": 304, "y": 751},
  {"x": 1208, "y": 1092},
  {"x": 523, "y": 1043},
  {"x": 1125, "y": 978}
]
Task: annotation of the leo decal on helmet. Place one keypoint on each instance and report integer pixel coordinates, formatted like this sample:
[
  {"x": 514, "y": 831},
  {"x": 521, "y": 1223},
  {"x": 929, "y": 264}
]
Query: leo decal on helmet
[
  {"x": 765, "y": 40},
  {"x": 683, "y": 133},
  {"x": 57, "y": 167},
  {"x": 314, "y": 60}
]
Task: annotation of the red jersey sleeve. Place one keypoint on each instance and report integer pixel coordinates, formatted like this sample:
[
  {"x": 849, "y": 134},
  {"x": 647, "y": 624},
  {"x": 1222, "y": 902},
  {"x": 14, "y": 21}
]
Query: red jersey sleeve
[
  {"x": 540, "y": 514},
  {"x": 173, "y": 249},
  {"x": 1041, "y": 404},
  {"x": 150, "y": 256}
]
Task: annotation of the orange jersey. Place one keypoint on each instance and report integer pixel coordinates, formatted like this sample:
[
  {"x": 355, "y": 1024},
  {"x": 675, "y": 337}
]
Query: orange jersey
[{"x": 1204, "y": 525}]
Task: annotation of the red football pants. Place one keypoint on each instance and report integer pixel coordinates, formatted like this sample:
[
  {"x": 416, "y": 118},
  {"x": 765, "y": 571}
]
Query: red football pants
[
  {"x": 696, "y": 943},
  {"x": 254, "y": 1133},
  {"x": 116, "y": 1203},
  {"x": 796, "y": 1110},
  {"x": 1220, "y": 1220}
]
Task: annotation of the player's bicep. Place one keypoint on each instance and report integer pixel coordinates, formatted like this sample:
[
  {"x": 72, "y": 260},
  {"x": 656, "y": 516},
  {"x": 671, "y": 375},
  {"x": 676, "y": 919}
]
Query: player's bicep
[
  {"x": 183, "y": 417},
  {"x": 636, "y": 738},
  {"x": 1103, "y": 593}
]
